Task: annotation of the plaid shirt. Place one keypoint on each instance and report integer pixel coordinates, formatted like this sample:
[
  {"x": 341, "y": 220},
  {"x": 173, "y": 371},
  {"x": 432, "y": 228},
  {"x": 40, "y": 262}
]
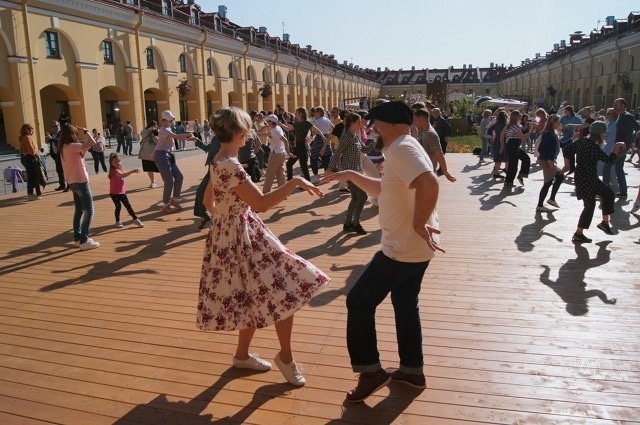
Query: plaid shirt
[{"x": 347, "y": 156}]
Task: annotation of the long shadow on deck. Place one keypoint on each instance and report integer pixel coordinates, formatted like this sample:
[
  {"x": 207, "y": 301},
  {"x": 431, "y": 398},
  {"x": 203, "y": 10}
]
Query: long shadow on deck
[
  {"x": 570, "y": 284},
  {"x": 141, "y": 250},
  {"x": 162, "y": 411},
  {"x": 532, "y": 232}
]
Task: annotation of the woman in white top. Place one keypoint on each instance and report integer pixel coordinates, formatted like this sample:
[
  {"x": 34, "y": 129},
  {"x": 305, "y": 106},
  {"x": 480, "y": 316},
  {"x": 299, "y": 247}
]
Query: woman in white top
[
  {"x": 166, "y": 162},
  {"x": 277, "y": 157}
]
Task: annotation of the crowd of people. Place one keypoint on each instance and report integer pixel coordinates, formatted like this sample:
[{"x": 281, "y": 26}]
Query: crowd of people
[
  {"x": 591, "y": 144},
  {"x": 391, "y": 155}
]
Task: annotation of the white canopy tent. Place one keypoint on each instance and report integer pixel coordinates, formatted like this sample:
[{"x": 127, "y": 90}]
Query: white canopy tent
[{"x": 507, "y": 103}]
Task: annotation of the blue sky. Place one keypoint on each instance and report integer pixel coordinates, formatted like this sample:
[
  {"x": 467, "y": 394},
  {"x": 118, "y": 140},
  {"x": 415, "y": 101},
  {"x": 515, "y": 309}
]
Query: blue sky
[{"x": 422, "y": 33}]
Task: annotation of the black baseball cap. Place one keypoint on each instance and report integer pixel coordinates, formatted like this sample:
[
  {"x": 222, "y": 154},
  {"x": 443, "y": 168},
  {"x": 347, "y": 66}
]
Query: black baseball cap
[{"x": 395, "y": 112}]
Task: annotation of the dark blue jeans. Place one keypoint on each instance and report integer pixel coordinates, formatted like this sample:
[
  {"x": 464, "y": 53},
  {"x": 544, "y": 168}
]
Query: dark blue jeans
[
  {"x": 403, "y": 280},
  {"x": 83, "y": 213}
]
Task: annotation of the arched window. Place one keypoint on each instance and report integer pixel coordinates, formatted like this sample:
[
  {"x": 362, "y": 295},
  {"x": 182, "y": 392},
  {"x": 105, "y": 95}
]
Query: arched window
[
  {"x": 182, "y": 60},
  {"x": 250, "y": 75},
  {"x": 151, "y": 61},
  {"x": 614, "y": 66},
  {"x": 209, "y": 67},
  {"x": 107, "y": 51}
]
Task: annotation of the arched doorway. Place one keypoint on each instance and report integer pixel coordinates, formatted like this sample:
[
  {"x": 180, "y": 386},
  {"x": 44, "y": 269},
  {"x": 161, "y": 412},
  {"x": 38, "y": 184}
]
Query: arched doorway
[
  {"x": 59, "y": 103},
  {"x": 235, "y": 99},
  {"x": 5, "y": 96},
  {"x": 154, "y": 102},
  {"x": 598, "y": 100},
  {"x": 214, "y": 102},
  {"x": 115, "y": 107}
]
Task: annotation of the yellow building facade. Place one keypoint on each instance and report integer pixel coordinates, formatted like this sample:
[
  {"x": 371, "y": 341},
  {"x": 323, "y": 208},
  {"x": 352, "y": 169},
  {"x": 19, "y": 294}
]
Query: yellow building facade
[{"x": 101, "y": 62}]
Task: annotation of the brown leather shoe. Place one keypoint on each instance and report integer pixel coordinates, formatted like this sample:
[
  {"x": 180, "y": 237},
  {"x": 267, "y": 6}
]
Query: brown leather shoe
[
  {"x": 416, "y": 381},
  {"x": 368, "y": 383}
]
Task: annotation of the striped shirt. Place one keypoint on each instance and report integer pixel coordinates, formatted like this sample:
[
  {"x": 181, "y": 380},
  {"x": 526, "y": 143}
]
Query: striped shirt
[{"x": 511, "y": 132}]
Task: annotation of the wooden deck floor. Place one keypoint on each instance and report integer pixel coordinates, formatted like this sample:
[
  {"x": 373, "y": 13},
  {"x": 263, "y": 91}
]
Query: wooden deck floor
[{"x": 520, "y": 325}]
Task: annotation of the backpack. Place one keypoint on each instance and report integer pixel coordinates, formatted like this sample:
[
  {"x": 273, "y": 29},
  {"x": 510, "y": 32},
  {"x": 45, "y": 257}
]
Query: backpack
[{"x": 147, "y": 147}]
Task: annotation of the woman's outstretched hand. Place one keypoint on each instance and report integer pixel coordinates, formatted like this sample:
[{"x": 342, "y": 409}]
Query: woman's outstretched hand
[{"x": 309, "y": 187}]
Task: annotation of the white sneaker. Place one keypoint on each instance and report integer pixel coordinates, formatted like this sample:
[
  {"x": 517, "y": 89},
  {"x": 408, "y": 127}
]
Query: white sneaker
[
  {"x": 290, "y": 372},
  {"x": 118, "y": 225},
  {"x": 138, "y": 223},
  {"x": 252, "y": 362},
  {"x": 553, "y": 202},
  {"x": 315, "y": 179},
  {"x": 89, "y": 244},
  {"x": 152, "y": 185}
]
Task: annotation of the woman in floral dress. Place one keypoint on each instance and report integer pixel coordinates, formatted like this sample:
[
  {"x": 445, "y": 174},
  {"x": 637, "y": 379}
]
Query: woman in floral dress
[{"x": 249, "y": 278}]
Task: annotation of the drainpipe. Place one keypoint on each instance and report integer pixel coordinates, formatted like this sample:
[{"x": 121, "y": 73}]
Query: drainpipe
[
  {"x": 32, "y": 82},
  {"x": 205, "y": 38},
  {"x": 246, "y": 80},
  {"x": 140, "y": 83},
  {"x": 273, "y": 83}
]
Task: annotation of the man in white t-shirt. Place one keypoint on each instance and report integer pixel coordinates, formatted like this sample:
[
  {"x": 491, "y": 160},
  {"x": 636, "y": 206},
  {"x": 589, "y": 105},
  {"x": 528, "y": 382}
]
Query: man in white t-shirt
[
  {"x": 277, "y": 157},
  {"x": 407, "y": 195}
]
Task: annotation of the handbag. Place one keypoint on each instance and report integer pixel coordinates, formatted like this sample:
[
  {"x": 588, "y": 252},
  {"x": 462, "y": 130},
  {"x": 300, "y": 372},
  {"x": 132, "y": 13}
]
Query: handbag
[{"x": 147, "y": 147}]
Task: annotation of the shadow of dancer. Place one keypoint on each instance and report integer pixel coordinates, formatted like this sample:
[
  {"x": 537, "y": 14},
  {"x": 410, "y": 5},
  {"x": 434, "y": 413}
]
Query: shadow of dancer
[
  {"x": 385, "y": 412},
  {"x": 570, "y": 284},
  {"x": 531, "y": 233},
  {"x": 324, "y": 298},
  {"x": 162, "y": 411}
]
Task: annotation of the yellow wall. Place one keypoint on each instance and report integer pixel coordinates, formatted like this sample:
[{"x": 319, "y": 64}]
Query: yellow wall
[{"x": 81, "y": 78}]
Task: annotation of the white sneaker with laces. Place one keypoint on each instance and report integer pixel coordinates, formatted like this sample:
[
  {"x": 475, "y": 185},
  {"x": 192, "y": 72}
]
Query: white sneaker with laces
[
  {"x": 118, "y": 225},
  {"x": 553, "y": 202},
  {"x": 315, "y": 179},
  {"x": 89, "y": 244},
  {"x": 290, "y": 372},
  {"x": 252, "y": 362},
  {"x": 138, "y": 223},
  {"x": 152, "y": 185}
]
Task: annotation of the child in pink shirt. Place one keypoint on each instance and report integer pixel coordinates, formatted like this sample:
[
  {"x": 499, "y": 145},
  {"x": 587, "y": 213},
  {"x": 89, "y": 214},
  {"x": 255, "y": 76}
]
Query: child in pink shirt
[{"x": 116, "y": 189}]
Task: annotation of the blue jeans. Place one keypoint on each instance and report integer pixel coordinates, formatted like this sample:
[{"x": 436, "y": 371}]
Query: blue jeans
[
  {"x": 485, "y": 146},
  {"x": 170, "y": 173},
  {"x": 403, "y": 280},
  {"x": 83, "y": 213},
  {"x": 618, "y": 165}
]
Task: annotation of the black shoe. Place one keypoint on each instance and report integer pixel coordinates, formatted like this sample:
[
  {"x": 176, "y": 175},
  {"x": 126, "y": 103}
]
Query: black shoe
[
  {"x": 345, "y": 190},
  {"x": 621, "y": 195},
  {"x": 580, "y": 238},
  {"x": 368, "y": 383},
  {"x": 347, "y": 228},
  {"x": 357, "y": 228},
  {"x": 605, "y": 228},
  {"x": 416, "y": 381},
  {"x": 66, "y": 189},
  {"x": 204, "y": 222},
  {"x": 508, "y": 185},
  {"x": 59, "y": 188}
]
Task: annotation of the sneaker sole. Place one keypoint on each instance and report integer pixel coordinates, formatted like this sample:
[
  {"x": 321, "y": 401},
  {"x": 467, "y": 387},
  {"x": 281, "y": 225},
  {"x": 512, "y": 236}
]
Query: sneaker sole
[
  {"x": 378, "y": 388},
  {"x": 411, "y": 384}
]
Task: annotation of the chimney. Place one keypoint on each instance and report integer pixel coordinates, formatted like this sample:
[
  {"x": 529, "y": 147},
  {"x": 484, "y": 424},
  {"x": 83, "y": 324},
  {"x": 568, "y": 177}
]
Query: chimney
[
  {"x": 262, "y": 30},
  {"x": 285, "y": 37},
  {"x": 378, "y": 69},
  {"x": 464, "y": 66},
  {"x": 563, "y": 43},
  {"x": 222, "y": 11},
  {"x": 610, "y": 20},
  {"x": 556, "y": 47}
]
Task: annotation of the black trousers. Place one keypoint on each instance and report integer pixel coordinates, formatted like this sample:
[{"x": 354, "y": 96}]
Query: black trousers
[
  {"x": 98, "y": 161},
  {"x": 253, "y": 170},
  {"x": 60, "y": 171},
  {"x": 607, "y": 199},
  {"x": 199, "y": 210},
  {"x": 31, "y": 165},
  {"x": 515, "y": 154},
  {"x": 120, "y": 199},
  {"x": 303, "y": 157}
]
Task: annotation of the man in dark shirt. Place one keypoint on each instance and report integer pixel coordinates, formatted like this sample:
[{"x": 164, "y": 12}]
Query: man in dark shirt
[
  {"x": 626, "y": 127},
  {"x": 443, "y": 129}
]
